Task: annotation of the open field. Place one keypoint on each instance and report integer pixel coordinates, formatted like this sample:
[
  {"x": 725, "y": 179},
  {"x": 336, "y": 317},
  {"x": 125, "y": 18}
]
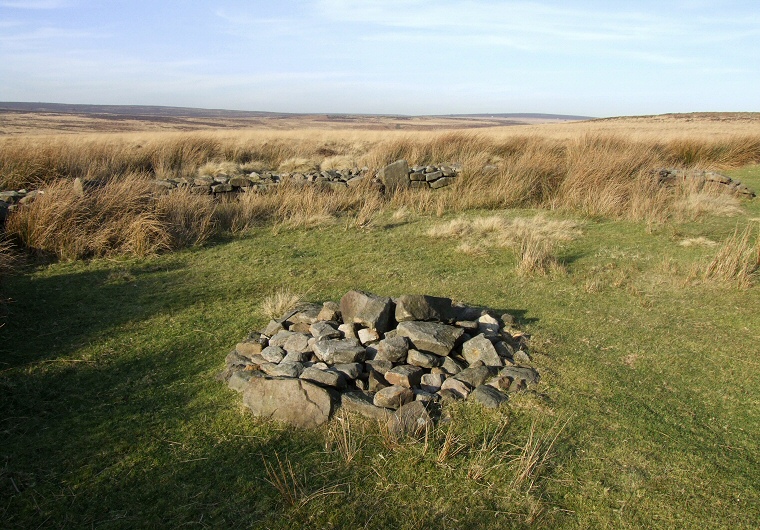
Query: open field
[
  {"x": 46, "y": 118},
  {"x": 642, "y": 302}
]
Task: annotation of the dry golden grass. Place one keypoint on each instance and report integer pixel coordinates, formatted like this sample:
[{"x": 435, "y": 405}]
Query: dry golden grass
[
  {"x": 736, "y": 261},
  {"x": 585, "y": 172},
  {"x": 275, "y": 305},
  {"x": 124, "y": 216},
  {"x": 535, "y": 240}
]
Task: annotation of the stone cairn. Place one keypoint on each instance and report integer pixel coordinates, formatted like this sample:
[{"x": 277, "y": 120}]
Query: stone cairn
[{"x": 395, "y": 360}]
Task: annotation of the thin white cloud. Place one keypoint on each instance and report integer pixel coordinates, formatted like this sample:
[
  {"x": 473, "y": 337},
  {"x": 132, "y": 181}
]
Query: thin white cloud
[{"x": 33, "y": 4}]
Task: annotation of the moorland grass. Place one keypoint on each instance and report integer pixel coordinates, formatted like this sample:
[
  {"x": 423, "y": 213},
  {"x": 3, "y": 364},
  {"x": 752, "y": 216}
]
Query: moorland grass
[{"x": 646, "y": 415}]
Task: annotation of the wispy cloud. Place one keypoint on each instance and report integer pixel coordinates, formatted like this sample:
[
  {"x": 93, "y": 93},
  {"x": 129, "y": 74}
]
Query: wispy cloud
[{"x": 33, "y": 4}]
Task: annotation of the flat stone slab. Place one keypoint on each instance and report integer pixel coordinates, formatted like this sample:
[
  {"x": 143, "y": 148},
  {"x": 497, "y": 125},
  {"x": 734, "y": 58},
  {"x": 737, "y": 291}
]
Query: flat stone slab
[
  {"x": 423, "y": 308},
  {"x": 488, "y": 396},
  {"x": 339, "y": 351},
  {"x": 431, "y": 337},
  {"x": 299, "y": 403},
  {"x": 366, "y": 309},
  {"x": 361, "y": 403},
  {"x": 393, "y": 397}
]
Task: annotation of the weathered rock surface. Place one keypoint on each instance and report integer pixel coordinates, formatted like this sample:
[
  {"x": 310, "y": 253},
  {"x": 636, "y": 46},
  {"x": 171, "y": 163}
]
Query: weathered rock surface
[
  {"x": 395, "y": 176},
  {"x": 367, "y": 309},
  {"x": 294, "y": 401},
  {"x": 481, "y": 349},
  {"x": 393, "y": 397},
  {"x": 339, "y": 351},
  {"x": 411, "y": 419},
  {"x": 428, "y": 362},
  {"x": 423, "y": 308},
  {"x": 488, "y": 396},
  {"x": 431, "y": 337}
]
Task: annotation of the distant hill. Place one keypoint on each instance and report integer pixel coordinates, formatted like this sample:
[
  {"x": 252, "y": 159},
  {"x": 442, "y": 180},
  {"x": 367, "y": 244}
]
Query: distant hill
[{"x": 189, "y": 112}]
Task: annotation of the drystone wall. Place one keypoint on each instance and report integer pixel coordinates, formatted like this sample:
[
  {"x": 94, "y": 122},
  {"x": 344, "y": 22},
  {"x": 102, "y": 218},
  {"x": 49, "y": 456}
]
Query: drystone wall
[
  {"x": 389, "y": 178},
  {"x": 703, "y": 180},
  {"x": 396, "y": 360}
]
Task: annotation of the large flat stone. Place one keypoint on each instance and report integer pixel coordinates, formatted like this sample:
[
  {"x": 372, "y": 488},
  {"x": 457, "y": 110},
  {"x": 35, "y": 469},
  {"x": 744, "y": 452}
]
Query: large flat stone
[
  {"x": 393, "y": 397},
  {"x": 423, "y": 308},
  {"x": 481, "y": 349},
  {"x": 431, "y": 337},
  {"x": 361, "y": 403},
  {"x": 339, "y": 351},
  {"x": 395, "y": 176},
  {"x": 293, "y": 401},
  {"x": 366, "y": 309}
]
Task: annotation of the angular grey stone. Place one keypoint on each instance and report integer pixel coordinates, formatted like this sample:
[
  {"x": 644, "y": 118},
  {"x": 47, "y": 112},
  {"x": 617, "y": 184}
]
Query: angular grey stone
[
  {"x": 423, "y": 360},
  {"x": 379, "y": 365},
  {"x": 361, "y": 403},
  {"x": 393, "y": 397},
  {"x": 514, "y": 378},
  {"x": 321, "y": 330},
  {"x": 368, "y": 336},
  {"x": 366, "y": 309},
  {"x": 306, "y": 314},
  {"x": 442, "y": 182},
  {"x": 288, "y": 369},
  {"x": 504, "y": 350},
  {"x": 376, "y": 381},
  {"x": 433, "y": 175},
  {"x": 488, "y": 396},
  {"x": 481, "y": 349},
  {"x": 475, "y": 376},
  {"x": 299, "y": 327},
  {"x": 432, "y": 382},
  {"x": 469, "y": 325},
  {"x": 348, "y": 330},
  {"x": 330, "y": 311},
  {"x": 451, "y": 366},
  {"x": 395, "y": 176},
  {"x": 460, "y": 387},
  {"x": 273, "y": 354},
  {"x": 298, "y": 342},
  {"x": 425, "y": 396},
  {"x": 431, "y": 337},
  {"x": 239, "y": 379},
  {"x": 273, "y": 328},
  {"x": 488, "y": 325},
  {"x": 235, "y": 359},
  {"x": 296, "y": 357},
  {"x": 294, "y": 401},
  {"x": 423, "y": 308},
  {"x": 419, "y": 185},
  {"x": 281, "y": 338},
  {"x": 248, "y": 349},
  {"x": 416, "y": 176},
  {"x": 392, "y": 349},
  {"x": 404, "y": 375},
  {"x": 521, "y": 357},
  {"x": 221, "y": 188},
  {"x": 411, "y": 419},
  {"x": 349, "y": 370},
  {"x": 447, "y": 395},
  {"x": 336, "y": 351},
  {"x": 324, "y": 377}
]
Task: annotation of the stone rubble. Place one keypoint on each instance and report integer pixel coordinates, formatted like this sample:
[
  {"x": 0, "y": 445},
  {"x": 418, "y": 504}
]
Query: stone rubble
[
  {"x": 379, "y": 356},
  {"x": 703, "y": 180}
]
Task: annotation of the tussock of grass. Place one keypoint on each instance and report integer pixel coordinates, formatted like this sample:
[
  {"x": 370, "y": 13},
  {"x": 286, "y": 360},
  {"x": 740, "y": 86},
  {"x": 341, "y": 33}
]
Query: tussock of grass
[
  {"x": 123, "y": 216},
  {"x": 534, "y": 239},
  {"x": 280, "y": 302},
  {"x": 737, "y": 259},
  {"x": 701, "y": 204},
  {"x": 700, "y": 241}
]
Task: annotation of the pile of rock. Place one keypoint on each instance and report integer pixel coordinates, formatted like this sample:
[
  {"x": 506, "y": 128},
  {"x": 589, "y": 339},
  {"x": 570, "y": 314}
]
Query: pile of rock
[
  {"x": 260, "y": 181},
  {"x": 375, "y": 355},
  {"x": 703, "y": 180},
  {"x": 9, "y": 200},
  {"x": 389, "y": 178}
]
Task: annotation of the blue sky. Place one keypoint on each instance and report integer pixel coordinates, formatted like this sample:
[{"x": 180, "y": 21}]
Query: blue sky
[{"x": 588, "y": 57}]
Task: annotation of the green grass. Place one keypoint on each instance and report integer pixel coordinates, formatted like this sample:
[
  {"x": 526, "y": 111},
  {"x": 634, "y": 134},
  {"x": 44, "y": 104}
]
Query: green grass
[{"x": 110, "y": 416}]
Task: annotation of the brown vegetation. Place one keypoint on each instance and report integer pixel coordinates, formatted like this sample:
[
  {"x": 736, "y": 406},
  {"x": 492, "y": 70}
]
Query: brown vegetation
[{"x": 587, "y": 174}]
